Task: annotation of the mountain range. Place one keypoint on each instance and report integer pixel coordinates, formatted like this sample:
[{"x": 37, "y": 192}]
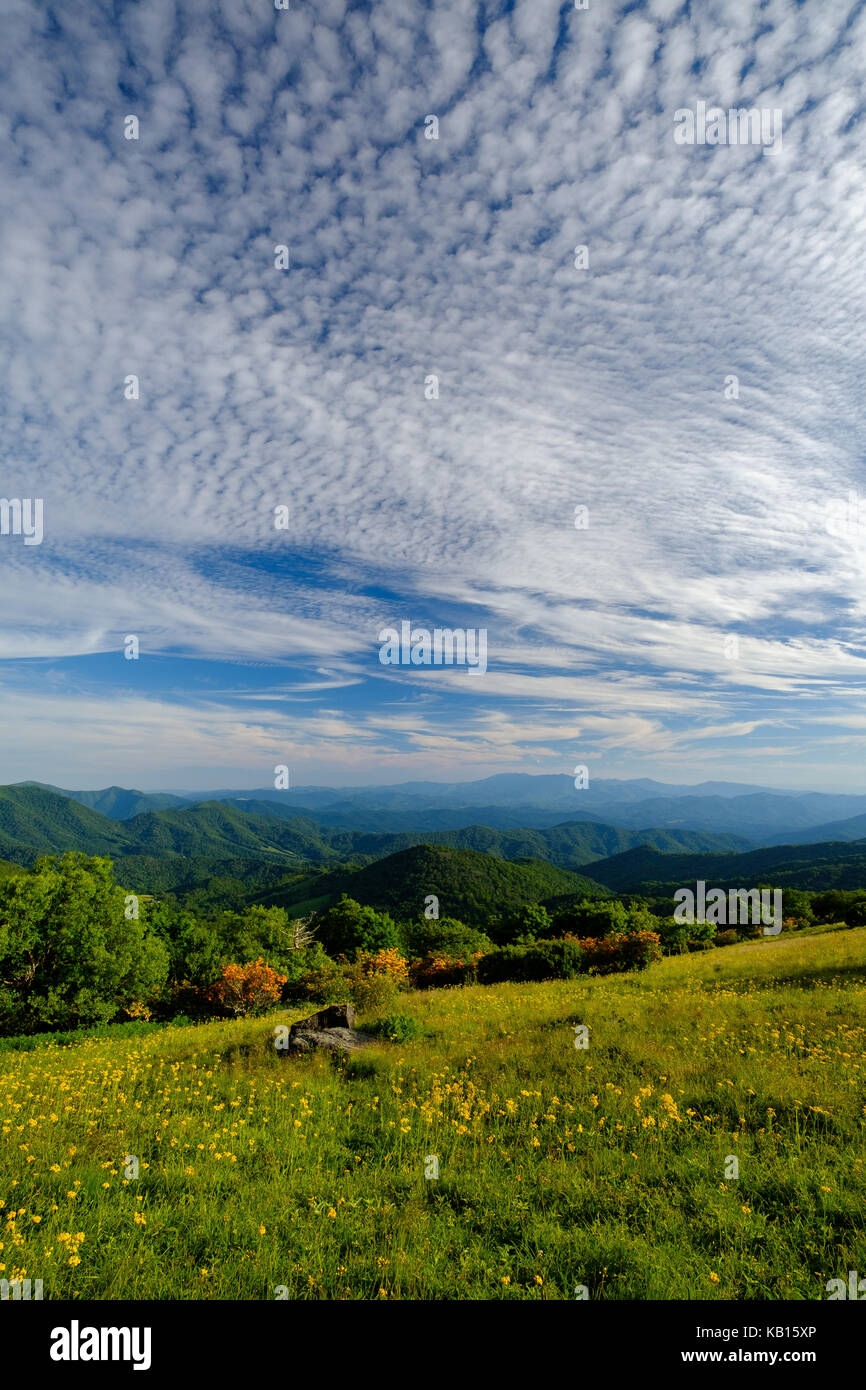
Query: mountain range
[
  {"x": 291, "y": 853},
  {"x": 759, "y": 815},
  {"x": 210, "y": 836}
]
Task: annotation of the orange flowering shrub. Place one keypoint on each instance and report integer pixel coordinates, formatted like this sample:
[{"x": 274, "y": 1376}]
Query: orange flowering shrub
[
  {"x": 387, "y": 961},
  {"x": 606, "y": 955},
  {"x": 438, "y": 968},
  {"x": 246, "y": 989},
  {"x": 138, "y": 1010},
  {"x": 375, "y": 977}
]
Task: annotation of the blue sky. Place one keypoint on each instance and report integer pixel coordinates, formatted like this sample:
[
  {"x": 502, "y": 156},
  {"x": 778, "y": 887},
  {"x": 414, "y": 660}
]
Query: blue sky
[{"x": 710, "y": 517}]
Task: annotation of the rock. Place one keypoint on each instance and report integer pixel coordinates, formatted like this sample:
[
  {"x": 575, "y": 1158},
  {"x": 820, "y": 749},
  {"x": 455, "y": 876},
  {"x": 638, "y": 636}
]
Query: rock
[
  {"x": 333, "y": 1039},
  {"x": 332, "y": 1028},
  {"x": 334, "y": 1016}
]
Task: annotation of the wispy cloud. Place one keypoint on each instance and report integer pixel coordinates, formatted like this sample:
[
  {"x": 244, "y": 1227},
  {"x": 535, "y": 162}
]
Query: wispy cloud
[{"x": 606, "y": 387}]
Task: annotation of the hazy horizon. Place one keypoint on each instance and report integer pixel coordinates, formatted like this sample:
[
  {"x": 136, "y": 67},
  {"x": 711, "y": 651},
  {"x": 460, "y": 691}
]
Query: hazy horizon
[{"x": 183, "y": 790}]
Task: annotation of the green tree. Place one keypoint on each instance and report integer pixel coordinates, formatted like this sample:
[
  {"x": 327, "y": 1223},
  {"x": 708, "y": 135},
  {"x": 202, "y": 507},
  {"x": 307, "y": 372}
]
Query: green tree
[
  {"x": 349, "y": 927},
  {"x": 445, "y": 934},
  {"x": 72, "y": 952},
  {"x": 593, "y": 918},
  {"x": 797, "y": 904}
]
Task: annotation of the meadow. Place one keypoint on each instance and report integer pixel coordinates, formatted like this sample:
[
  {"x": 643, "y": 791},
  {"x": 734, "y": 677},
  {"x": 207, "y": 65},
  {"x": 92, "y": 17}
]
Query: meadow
[{"x": 262, "y": 1176}]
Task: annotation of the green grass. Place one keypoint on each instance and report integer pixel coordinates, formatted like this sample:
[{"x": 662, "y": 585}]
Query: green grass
[{"x": 557, "y": 1166}]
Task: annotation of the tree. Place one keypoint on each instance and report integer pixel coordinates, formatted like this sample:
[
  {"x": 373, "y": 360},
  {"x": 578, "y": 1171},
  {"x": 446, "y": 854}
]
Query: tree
[
  {"x": 446, "y": 935},
  {"x": 70, "y": 955},
  {"x": 349, "y": 927},
  {"x": 592, "y": 918}
]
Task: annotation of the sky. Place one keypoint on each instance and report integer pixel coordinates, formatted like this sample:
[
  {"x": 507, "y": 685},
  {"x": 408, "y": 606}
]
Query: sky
[{"x": 693, "y": 379}]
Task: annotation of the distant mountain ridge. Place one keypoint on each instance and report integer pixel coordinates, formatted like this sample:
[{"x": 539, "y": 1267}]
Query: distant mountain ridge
[
  {"x": 518, "y": 801},
  {"x": 34, "y": 820},
  {"x": 817, "y": 867},
  {"x": 120, "y": 803},
  {"x": 262, "y": 842}
]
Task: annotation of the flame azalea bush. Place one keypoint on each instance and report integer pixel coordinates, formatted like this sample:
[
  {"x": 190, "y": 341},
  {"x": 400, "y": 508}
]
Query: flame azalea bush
[
  {"x": 246, "y": 989},
  {"x": 376, "y": 977},
  {"x": 138, "y": 1010},
  {"x": 438, "y": 968},
  {"x": 372, "y": 980},
  {"x": 607, "y": 955},
  {"x": 387, "y": 961}
]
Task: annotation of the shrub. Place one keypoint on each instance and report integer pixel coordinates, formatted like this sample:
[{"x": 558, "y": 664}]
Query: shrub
[
  {"x": 375, "y": 978},
  {"x": 387, "y": 962},
  {"x": 396, "y": 1028},
  {"x": 527, "y": 922},
  {"x": 610, "y": 955},
  {"x": 726, "y": 938},
  {"x": 839, "y": 905},
  {"x": 69, "y": 955},
  {"x": 372, "y": 992},
  {"x": 349, "y": 927},
  {"x": 185, "y": 1000},
  {"x": 326, "y": 983},
  {"x": 750, "y": 931},
  {"x": 591, "y": 918},
  {"x": 302, "y": 963},
  {"x": 797, "y": 905},
  {"x": 242, "y": 990},
  {"x": 438, "y": 969},
  {"x": 138, "y": 1010},
  {"x": 673, "y": 935},
  {"x": 444, "y": 936},
  {"x": 547, "y": 960},
  {"x": 199, "y": 949}
]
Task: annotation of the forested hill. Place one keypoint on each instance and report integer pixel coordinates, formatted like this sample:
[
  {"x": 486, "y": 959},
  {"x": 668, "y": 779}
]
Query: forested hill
[
  {"x": 255, "y": 843},
  {"x": 814, "y": 867},
  {"x": 35, "y": 820},
  {"x": 469, "y": 885}
]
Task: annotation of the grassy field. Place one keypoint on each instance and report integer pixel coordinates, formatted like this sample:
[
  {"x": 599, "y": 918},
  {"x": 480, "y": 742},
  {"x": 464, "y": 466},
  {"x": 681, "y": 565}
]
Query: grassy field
[{"x": 558, "y": 1167}]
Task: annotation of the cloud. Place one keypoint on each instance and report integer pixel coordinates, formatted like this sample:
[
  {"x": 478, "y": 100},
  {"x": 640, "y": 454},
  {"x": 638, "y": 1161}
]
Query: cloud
[{"x": 557, "y": 387}]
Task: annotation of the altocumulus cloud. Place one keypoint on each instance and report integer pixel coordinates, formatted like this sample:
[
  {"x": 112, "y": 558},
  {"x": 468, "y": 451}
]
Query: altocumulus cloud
[{"x": 558, "y": 387}]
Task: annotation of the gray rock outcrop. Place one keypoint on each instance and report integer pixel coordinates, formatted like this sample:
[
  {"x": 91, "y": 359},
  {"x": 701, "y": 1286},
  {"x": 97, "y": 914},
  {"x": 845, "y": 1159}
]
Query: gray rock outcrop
[{"x": 331, "y": 1028}]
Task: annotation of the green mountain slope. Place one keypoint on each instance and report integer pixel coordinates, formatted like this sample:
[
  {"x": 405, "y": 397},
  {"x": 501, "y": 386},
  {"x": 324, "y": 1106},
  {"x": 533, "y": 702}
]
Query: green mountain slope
[
  {"x": 34, "y": 821},
  {"x": 469, "y": 885},
  {"x": 569, "y": 845},
  {"x": 39, "y": 820},
  {"x": 215, "y": 829},
  {"x": 119, "y": 803},
  {"x": 180, "y": 848},
  {"x": 815, "y": 867}
]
